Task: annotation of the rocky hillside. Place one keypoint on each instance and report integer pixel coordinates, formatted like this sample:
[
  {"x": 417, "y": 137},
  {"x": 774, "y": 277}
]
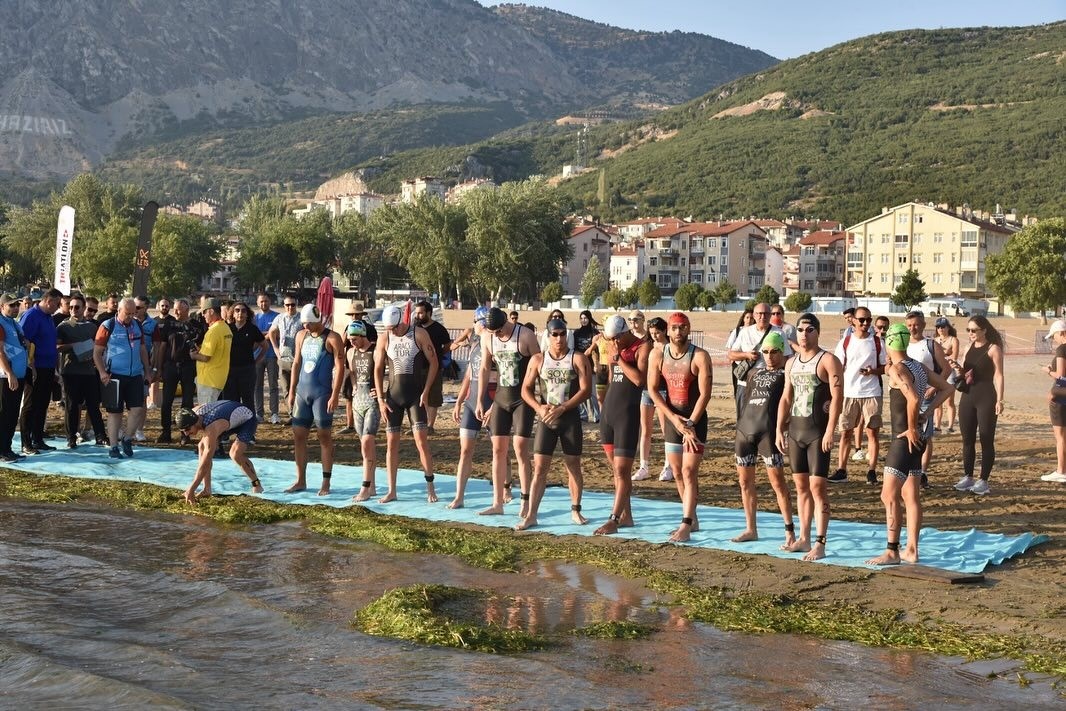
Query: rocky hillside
[{"x": 83, "y": 76}]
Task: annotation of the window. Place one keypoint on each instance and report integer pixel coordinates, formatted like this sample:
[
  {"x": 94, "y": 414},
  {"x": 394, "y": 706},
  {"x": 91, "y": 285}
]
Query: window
[
  {"x": 918, "y": 218},
  {"x": 654, "y": 261},
  {"x": 586, "y": 264},
  {"x": 938, "y": 238},
  {"x": 712, "y": 243},
  {"x": 712, "y": 260},
  {"x": 902, "y": 259},
  {"x": 884, "y": 239},
  {"x": 917, "y": 238},
  {"x": 584, "y": 246},
  {"x": 969, "y": 238},
  {"x": 936, "y": 278},
  {"x": 902, "y": 241},
  {"x": 884, "y": 278},
  {"x": 682, "y": 261},
  {"x": 697, "y": 278},
  {"x": 917, "y": 259},
  {"x": 808, "y": 285},
  {"x": 808, "y": 268},
  {"x": 938, "y": 258},
  {"x": 684, "y": 244},
  {"x": 902, "y": 218},
  {"x": 808, "y": 251},
  {"x": 884, "y": 259},
  {"x": 665, "y": 244}
]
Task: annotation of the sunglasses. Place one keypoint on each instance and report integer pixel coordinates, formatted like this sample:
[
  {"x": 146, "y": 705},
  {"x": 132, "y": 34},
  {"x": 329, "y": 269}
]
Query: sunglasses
[
  {"x": 863, "y": 320},
  {"x": 973, "y": 330},
  {"x": 771, "y": 351},
  {"x": 637, "y": 318},
  {"x": 777, "y": 313},
  {"x": 240, "y": 310},
  {"x": 558, "y": 334},
  {"x": 290, "y": 306},
  {"x": 92, "y": 310}
]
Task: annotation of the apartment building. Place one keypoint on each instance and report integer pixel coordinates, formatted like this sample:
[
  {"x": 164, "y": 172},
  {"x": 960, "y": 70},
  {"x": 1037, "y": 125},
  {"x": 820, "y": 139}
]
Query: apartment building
[
  {"x": 947, "y": 248},
  {"x": 627, "y": 264},
  {"x": 706, "y": 253},
  {"x": 363, "y": 203},
  {"x": 411, "y": 189},
  {"x": 587, "y": 240},
  {"x": 821, "y": 263}
]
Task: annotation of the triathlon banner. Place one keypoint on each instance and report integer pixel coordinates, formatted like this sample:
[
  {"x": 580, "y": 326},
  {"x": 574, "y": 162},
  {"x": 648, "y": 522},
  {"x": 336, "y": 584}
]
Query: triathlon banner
[
  {"x": 142, "y": 262},
  {"x": 64, "y": 247}
]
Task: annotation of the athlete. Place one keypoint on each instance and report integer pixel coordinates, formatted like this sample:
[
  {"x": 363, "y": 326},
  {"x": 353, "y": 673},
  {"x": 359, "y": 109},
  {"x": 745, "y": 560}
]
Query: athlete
[
  {"x": 808, "y": 413},
  {"x": 565, "y": 379},
  {"x": 314, "y": 390},
  {"x": 463, "y": 414},
  {"x": 627, "y": 355},
  {"x": 911, "y": 416},
  {"x": 930, "y": 354},
  {"x": 509, "y": 347},
  {"x": 756, "y": 435},
  {"x": 364, "y": 403},
  {"x": 217, "y": 420},
  {"x": 407, "y": 393},
  {"x": 679, "y": 382}
]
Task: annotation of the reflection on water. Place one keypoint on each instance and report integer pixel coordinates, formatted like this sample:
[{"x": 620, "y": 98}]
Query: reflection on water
[{"x": 115, "y": 609}]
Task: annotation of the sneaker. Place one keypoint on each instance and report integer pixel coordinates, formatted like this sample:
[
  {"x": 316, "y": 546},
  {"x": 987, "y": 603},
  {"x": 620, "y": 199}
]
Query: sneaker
[
  {"x": 1055, "y": 477},
  {"x": 980, "y": 487},
  {"x": 859, "y": 456},
  {"x": 667, "y": 473},
  {"x": 275, "y": 420},
  {"x": 641, "y": 474},
  {"x": 127, "y": 447},
  {"x": 138, "y": 436},
  {"x": 85, "y": 437},
  {"x": 29, "y": 451},
  {"x": 838, "y": 476},
  {"x": 345, "y": 430},
  {"x": 252, "y": 441},
  {"x": 950, "y": 430},
  {"x": 871, "y": 476},
  {"x": 152, "y": 406},
  {"x": 9, "y": 457},
  {"x": 42, "y": 447},
  {"x": 114, "y": 453},
  {"x": 72, "y": 444},
  {"x": 965, "y": 484}
]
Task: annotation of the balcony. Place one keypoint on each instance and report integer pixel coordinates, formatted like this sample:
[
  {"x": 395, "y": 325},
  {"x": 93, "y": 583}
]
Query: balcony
[
  {"x": 696, "y": 249},
  {"x": 667, "y": 252}
]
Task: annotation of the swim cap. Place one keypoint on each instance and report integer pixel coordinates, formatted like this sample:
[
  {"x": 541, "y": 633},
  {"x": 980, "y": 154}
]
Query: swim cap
[
  {"x": 391, "y": 316},
  {"x": 357, "y": 328},
  {"x": 310, "y": 314},
  {"x": 774, "y": 340},
  {"x": 555, "y": 325},
  {"x": 480, "y": 314},
  {"x": 810, "y": 320},
  {"x": 496, "y": 319},
  {"x": 186, "y": 418},
  {"x": 678, "y": 317},
  {"x": 614, "y": 326},
  {"x": 898, "y": 337}
]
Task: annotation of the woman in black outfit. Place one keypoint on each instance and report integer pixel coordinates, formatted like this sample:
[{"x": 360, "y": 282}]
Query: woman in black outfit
[{"x": 980, "y": 377}]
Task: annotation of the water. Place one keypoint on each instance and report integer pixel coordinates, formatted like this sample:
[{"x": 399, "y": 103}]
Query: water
[{"x": 115, "y": 609}]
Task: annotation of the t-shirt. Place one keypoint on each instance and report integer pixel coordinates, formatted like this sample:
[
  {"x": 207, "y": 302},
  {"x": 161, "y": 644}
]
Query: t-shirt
[
  {"x": 245, "y": 341},
  {"x": 440, "y": 337},
  {"x": 82, "y": 332},
  {"x": 862, "y": 353},
  {"x": 749, "y": 339},
  {"x": 263, "y": 321},
  {"x": 217, "y": 344},
  {"x": 40, "y": 330},
  {"x": 287, "y": 328}
]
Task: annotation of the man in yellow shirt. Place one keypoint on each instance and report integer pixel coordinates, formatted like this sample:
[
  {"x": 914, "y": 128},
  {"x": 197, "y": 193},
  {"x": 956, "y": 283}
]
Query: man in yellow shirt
[{"x": 212, "y": 358}]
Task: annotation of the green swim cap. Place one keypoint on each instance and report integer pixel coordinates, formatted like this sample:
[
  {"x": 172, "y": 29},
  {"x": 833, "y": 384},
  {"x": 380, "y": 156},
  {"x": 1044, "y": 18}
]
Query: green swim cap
[
  {"x": 898, "y": 337},
  {"x": 774, "y": 340}
]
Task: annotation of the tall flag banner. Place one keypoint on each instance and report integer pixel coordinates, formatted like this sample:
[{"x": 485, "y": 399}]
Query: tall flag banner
[
  {"x": 64, "y": 247},
  {"x": 142, "y": 262}
]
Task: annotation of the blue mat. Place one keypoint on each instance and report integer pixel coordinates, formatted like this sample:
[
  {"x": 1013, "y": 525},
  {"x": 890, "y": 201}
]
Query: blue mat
[{"x": 850, "y": 543}]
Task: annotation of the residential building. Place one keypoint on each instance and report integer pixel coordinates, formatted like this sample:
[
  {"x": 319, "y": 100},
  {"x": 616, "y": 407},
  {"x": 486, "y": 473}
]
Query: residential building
[
  {"x": 627, "y": 264},
  {"x": 465, "y": 187},
  {"x": 588, "y": 239},
  {"x": 706, "y": 253},
  {"x": 638, "y": 229},
  {"x": 780, "y": 234},
  {"x": 790, "y": 270},
  {"x": 363, "y": 203},
  {"x": 774, "y": 269},
  {"x": 821, "y": 263},
  {"x": 947, "y": 248},
  {"x": 411, "y": 189},
  {"x": 224, "y": 280}
]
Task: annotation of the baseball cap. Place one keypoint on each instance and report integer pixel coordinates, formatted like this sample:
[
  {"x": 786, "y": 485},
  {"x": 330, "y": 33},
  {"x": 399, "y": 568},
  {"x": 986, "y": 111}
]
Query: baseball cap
[
  {"x": 310, "y": 314},
  {"x": 898, "y": 337},
  {"x": 1059, "y": 325},
  {"x": 615, "y": 326},
  {"x": 7, "y": 299},
  {"x": 209, "y": 303},
  {"x": 636, "y": 314},
  {"x": 774, "y": 340},
  {"x": 942, "y": 322},
  {"x": 356, "y": 328},
  {"x": 391, "y": 316},
  {"x": 495, "y": 319}
]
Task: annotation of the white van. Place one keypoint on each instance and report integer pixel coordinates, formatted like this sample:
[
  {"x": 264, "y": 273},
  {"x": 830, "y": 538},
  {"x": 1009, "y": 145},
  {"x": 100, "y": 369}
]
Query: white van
[{"x": 944, "y": 307}]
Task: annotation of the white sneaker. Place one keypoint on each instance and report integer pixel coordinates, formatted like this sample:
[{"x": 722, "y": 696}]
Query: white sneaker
[
  {"x": 641, "y": 473},
  {"x": 965, "y": 484},
  {"x": 1055, "y": 477},
  {"x": 275, "y": 420},
  {"x": 859, "y": 456},
  {"x": 152, "y": 406},
  {"x": 667, "y": 473},
  {"x": 980, "y": 487},
  {"x": 138, "y": 436}
]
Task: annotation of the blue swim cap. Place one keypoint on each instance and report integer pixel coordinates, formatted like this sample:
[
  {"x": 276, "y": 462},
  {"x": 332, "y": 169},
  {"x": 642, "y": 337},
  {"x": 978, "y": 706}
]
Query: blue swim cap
[{"x": 480, "y": 314}]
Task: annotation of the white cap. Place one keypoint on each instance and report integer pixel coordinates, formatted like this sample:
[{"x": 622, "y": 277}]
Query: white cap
[
  {"x": 391, "y": 316},
  {"x": 310, "y": 314},
  {"x": 1059, "y": 325},
  {"x": 614, "y": 326}
]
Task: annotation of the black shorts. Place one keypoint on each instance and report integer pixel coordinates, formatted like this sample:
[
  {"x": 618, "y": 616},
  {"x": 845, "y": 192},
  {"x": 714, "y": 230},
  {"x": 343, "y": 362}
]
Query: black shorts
[
  {"x": 567, "y": 431},
  {"x": 1058, "y": 415},
  {"x": 808, "y": 458},
  {"x": 436, "y": 391},
  {"x": 415, "y": 412},
  {"x": 124, "y": 392},
  {"x": 510, "y": 417},
  {"x": 620, "y": 430},
  {"x": 750, "y": 447},
  {"x": 674, "y": 440},
  {"x": 902, "y": 461}
]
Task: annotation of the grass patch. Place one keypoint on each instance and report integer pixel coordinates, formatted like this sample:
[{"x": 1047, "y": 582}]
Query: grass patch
[
  {"x": 442, "y": 616},
  {"x": 615, "y": 630}
]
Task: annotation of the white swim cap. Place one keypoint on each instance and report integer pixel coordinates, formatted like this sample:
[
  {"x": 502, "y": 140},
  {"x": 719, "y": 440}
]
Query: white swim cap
[
  {"x": 614, "y": 326},
  {"x": 391, "y": 316},
  {"x": 310, "y": 314}
]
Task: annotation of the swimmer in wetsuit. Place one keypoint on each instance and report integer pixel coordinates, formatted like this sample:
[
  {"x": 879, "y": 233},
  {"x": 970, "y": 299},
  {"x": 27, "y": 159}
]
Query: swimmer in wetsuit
[
  {"x": 366, "y": 415},
  {"x": 314, "y": 390},
  {"x": 407, "y": 393},
  {"x": 216, "y": 420}
]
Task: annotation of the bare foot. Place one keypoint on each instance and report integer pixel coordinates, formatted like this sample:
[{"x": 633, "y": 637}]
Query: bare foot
[
  {"x": 790, "y": 540},
  {"x": 257, "y": 489},
  {"x": 365, "y": 493},
  {"x": 681, "y": 535},
  {"x": 577, "y": 518},
  {"x": 887, "y": 558},
  {"x": 457, "y": 503},
  {"x": 205, "y": 494},
  {"x": 507, "y": 498},
  {"x": 324, "y": 490},
  {"x": 190, "y": 497},
  {"x": 801, "y": 545},
  {"x": 909, "y": 555},
  {"x": 695, "y": 525},
  {"x": 607, "y": 529},
  {"x": 527, "y": 522},
  {"x": 431, "y": 493},
  {"x": 817, "y": 552},
  {"x": 387, "y": 498},
  {"x": 746, "y": 537},
  {"x": 297, "y": 487},
  {"x": 523, "y": 510},
  {"x": 491, "y": 511}
]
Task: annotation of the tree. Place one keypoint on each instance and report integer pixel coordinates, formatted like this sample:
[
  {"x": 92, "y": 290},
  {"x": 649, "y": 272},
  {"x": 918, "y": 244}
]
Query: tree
[
  {"x": 615, "y": 299},
  {"x": 725, "y": 293},
  {"x": 360, "y": 254},
  {"x": 648, "y": 293},
  {"x": 287, "y": 251},
  {"x": 909, "y": 291},
  {"x": 687, "y": 296},
  {"x": 767, "y": 295},
  {"x": 552, "y": 292},
  {"x": 1030, "y": 274},
  {"x": 798, "y": 302},
  {"x": 705, "y": 300},
  {"x": 631, "y": 294},
  {"x": 184, "y": 251},
  {"x": 428, "y": 238},
  {"x": 103, "y": 259},
  {"x": 594, "y": 283}
]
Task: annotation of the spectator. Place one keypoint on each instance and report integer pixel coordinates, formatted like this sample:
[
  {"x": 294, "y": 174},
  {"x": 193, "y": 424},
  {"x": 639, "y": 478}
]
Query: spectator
[
  {"x": 174, "y": 339},
  {"x": 245, "y": 354},
  {"x": 267, "y": 365},
  {"x": 442, "y": 341},
  {"x": 14, "y": 362},
  {"x": 40, "y": 331},
  {"x": 80, "y": 383},
  {"x": 212, "y": 357},
  {"x": 121, "y": 360},
  {"x": 282, "y": 335}
]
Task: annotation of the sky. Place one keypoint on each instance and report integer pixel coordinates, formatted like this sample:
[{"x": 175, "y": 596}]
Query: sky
[{"x": 790, "y": 28}]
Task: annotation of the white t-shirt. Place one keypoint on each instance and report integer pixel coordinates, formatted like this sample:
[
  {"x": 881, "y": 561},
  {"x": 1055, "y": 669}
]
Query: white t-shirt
[
  {"x": 920, "y": 352},
  {"x": 862, "y": 353},
  {"x": 749, "y": 339}
]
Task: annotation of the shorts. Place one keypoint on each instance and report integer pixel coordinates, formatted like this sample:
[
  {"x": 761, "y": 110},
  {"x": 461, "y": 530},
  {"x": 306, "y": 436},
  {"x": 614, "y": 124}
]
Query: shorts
[
  {"x": 367, "y": 419},
  {"x": 311, "y": 408},
  {"x": 808, "y": 458},
  {"x": 868, "y": 409},
  {"x": 645, "y": 398},
  {"x": 415, "y": 412},
  {"x": 602, "y": 377},
  {"x": 620, "y": 431},
  {"x": 124, "y": 392},
  {"x": 244, "y": 433},
  {"x": 514, "y": 418},
  {"x": 205, "y": 394},
  {"x": 469, "y": 425},
  {"x": 436, "y": 390},
  {"x": 346, "y": 389},
  {"x": 567, "y": 431},
  {"x": 750, "y": 447},
  {"x": 1058, "y": 415},
  {"x": 675, "y": 443},
  {"x": 902, "y": 461}
]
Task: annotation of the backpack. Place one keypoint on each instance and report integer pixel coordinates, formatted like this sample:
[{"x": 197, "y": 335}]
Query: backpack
[
  {"x": 932, "y": 354},
  {"x": 877, "y": 349}
]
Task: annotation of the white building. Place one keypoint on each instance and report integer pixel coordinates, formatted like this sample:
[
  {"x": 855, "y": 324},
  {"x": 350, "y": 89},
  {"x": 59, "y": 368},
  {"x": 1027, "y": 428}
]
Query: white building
[
  {"x": 627, "y": 265},
  {"x": 411, "y": 189}
]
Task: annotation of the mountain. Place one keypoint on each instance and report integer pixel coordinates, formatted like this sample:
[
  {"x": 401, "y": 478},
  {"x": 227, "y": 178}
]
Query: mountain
[
  {"x": 125, "y": 72},
  {"x": 958, "y": 116}
]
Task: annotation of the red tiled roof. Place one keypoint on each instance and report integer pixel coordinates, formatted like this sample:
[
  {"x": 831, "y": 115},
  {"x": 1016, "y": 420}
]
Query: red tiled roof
[
  {"x": 582, "y": 229},
  {"x": 822, "y": 237}
]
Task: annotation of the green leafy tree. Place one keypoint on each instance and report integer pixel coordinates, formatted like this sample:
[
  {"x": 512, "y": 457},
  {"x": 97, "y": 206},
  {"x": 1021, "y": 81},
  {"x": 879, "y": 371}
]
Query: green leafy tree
[
  {"x": 103, "y": 259},
  {"x": 615, "y": 299},
  {"x": 725, "y": 293},
  {"x": 552, "y": 292},
  {"x": 631, "y": 294},
  {"x": 595, "y": 281},
  {"x": 1030, "y": 274},
  {"x": 687, "y": 296},
  {"x": 429, "y": 239},
  {"x": 185, "y": 250},
  {"x": 286, "y": 251},
  {"x": 798, "y": 302},
  {"x": 767, "y": 295},
  {"x": 705, "y": 300},
  {"x": 360, "y": 254},
  {"x": 909, "y": 291},
  {"x": 648, "y": 293}
]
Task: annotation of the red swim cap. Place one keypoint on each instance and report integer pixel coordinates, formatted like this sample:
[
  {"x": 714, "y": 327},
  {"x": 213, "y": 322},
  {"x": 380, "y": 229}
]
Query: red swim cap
[{"x": 678, "y": 317}]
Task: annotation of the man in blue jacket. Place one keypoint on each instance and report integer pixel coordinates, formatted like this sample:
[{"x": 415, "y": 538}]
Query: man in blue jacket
[
  {"x": 40, "y": 331},
  {"x": 14, "y": 359},
  {"x": 121, "y": 359}
]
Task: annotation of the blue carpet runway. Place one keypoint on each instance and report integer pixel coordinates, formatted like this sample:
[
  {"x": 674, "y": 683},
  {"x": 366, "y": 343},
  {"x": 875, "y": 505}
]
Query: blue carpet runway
[{"x": 850, "y": 543}]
